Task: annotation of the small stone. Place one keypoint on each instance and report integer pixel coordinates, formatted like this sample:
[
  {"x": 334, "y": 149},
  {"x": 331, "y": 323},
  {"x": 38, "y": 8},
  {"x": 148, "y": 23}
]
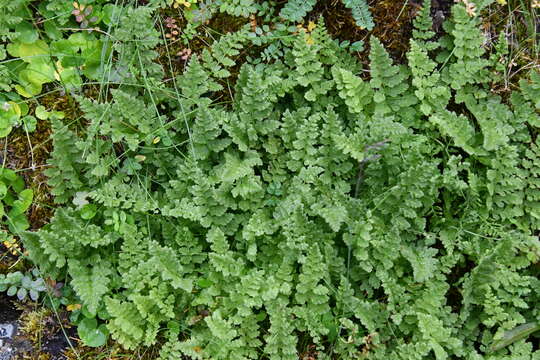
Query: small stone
[
  {"x": 6, "y": 352},
  {"x": 6, "y": 331}
]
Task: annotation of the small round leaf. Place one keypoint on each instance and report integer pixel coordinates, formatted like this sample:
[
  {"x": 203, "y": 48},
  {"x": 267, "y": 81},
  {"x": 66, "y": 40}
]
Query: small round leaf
[{"x": 91, "y": 334}]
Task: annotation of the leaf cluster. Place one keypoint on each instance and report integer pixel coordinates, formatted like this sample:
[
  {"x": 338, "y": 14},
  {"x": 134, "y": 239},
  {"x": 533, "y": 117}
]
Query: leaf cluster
[
  {"x": 14, "y": 201},
  {"x": 23, "y": 285}
]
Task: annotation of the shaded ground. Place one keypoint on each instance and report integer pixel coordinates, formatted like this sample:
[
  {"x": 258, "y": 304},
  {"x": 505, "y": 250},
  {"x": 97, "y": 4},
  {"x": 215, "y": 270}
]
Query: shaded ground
[
  {"x": 393, "y": 22},
  {"x": 8, "y": 312},
  {"x": 38, "y": 332}
]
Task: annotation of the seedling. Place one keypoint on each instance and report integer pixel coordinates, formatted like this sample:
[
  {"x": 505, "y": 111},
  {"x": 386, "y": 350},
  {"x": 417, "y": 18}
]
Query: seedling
[
  {"x": 83, "y": 15},
  {"x": 23, "y": 285}
]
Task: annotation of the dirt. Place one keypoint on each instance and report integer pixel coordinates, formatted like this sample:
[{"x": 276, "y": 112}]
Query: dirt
[
  {"x": 8, "y": 312},
  {"x": 393, "y": 22},
  {"x": 44, "y": 340},
  {"x": 57, "y": 343}
]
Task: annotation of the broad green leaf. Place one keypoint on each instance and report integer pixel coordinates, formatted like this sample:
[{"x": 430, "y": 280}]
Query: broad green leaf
[
  {"x": 88, "y": 211},
  {"x": 28, "y": 34},
  {"x": 12, "y": 290},
  {"x": 5, "y": 131},
  {"x": 70, "y": 78},
  {"x": 204, "y": 283},
  {"x": 41, "y": 113},
  {"x": 51, "y": 29},
  {"x": 29, "y": 90},
  {"x": 82, "y": 40},
  {"x": 87, "y": 313},
  {"x": 111, "y": 14},
  {"x": 22, "y": 203},
  {"x": 17, "y": 184},
  {"x": 8, "y": 174},
  {"x": 18, "y": 224},
  {"x": 91, "y": 334},
  {"x": 38, "y": 72},
  {"x": 3, "y": 189},
  {"x": 29, "y": 122},
  {"x": 28, "y": 52},
  {"x": 10, "y": 113}
]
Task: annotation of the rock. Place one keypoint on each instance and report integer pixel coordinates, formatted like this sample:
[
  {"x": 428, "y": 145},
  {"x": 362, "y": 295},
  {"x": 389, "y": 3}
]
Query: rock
[
  {"x": 6, "y": 351},
  {"x": 7, "y": 331}
]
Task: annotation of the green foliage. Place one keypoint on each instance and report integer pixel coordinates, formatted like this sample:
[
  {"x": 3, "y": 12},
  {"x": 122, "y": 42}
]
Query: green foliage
[
  {"x": 59, "y": 61},
  {"x": 423, "y": 27},
  {"x": 237, "y": 7},
  {"x": 360, "y": 13},
  {"x": 390, "y": 217},
  {"x": 14, "y": 201},
  {"x": 64, "y": 175},
  {"x": 14, "y": 12},
  {"x": 469, "y": 66},
  {"x": 531, "y": 90},
  {"x": 10, "y": 115},
  {"x": 91, "y": 333},
  {"x": 392, "y": 94},
  {"x": 23, "y": 285},
  {"x": 295, "y": 10}
]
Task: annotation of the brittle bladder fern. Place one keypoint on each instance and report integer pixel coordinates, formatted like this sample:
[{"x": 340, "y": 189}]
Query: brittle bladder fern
[{"x": 317, "y": 204}]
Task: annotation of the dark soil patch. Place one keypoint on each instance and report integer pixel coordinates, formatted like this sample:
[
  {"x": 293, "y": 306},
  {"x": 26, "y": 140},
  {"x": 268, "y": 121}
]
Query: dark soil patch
[
  {"x": 57, "y": 344},
  {"x": 42, "y": 336},
  {"x": 8, "y": 312},
  {"x": 392, "y": 18}
]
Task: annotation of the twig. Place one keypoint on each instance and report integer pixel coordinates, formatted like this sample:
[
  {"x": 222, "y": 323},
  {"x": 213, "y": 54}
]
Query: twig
[{"x": 89, "y": 29}]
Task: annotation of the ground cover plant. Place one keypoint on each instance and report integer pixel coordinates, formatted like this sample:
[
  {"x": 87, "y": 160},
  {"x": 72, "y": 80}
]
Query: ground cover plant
[{"x": 277, "y": 194}]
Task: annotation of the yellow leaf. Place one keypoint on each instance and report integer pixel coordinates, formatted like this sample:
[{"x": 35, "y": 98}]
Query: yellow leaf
[
  {"x": 12, "y": 246},
  {"x": 58, "y": 70},
  {"x": 311, "y": 26},
  {"x": 16, "y": 107},
  {"x": 73, "y": 307}
]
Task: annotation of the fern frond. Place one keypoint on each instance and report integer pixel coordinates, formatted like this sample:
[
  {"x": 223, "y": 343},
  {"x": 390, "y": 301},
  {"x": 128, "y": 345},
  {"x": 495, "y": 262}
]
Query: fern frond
[
  {"x": 295, "y": 10},
  {"x": 360, "y": 13}
]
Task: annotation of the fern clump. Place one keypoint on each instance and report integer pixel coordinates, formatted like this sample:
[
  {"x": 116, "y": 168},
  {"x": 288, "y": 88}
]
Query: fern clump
[{"x": 368, "y": 217}]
